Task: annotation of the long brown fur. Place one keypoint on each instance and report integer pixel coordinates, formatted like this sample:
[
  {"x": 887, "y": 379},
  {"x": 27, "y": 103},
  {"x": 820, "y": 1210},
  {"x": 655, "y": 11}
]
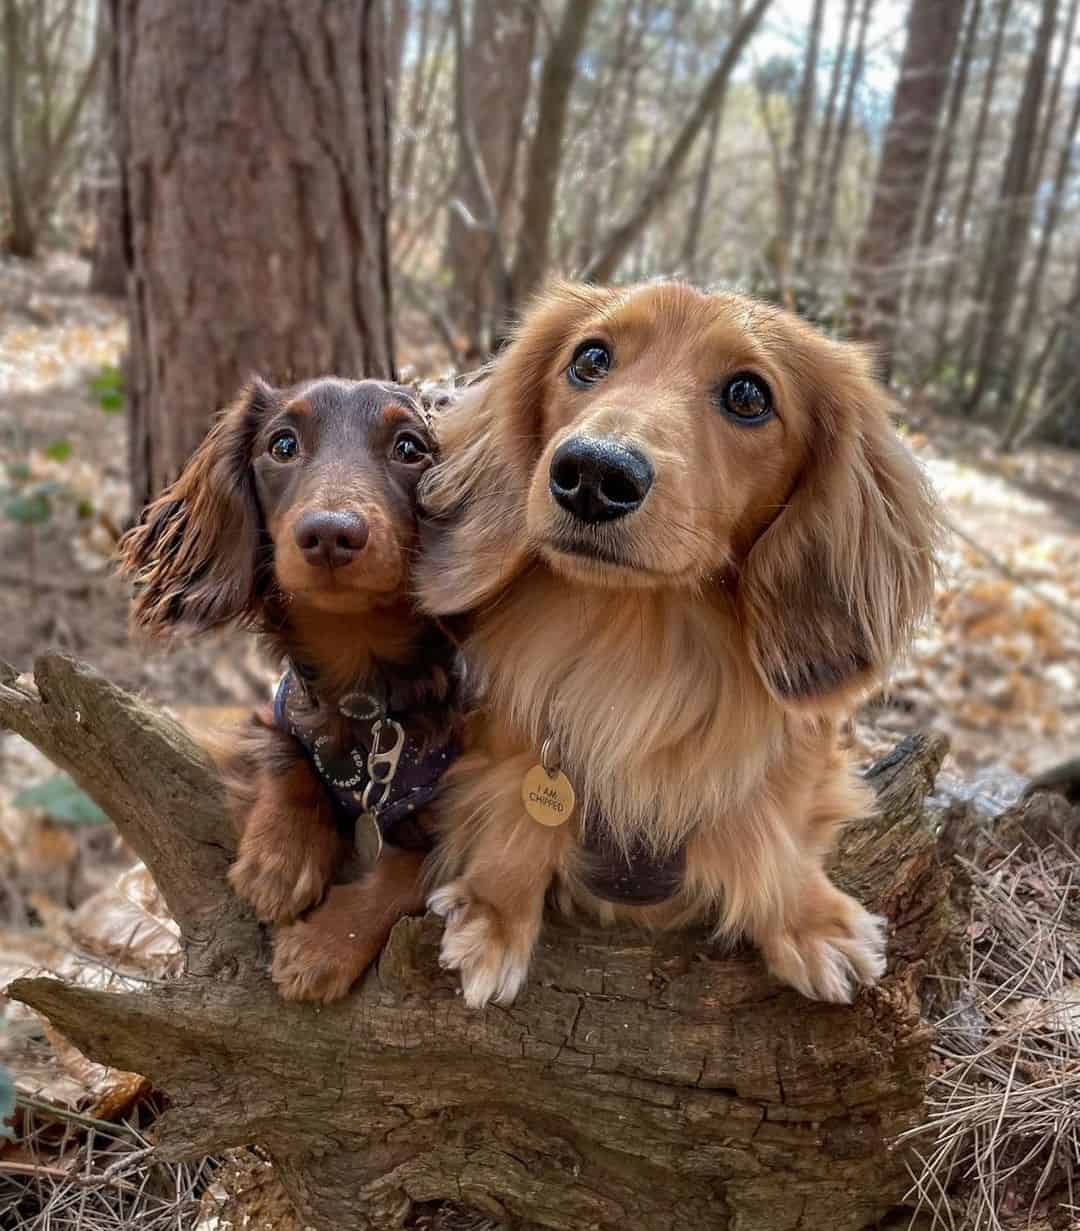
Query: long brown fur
[
  {"x": 221, "y": 547},
  {"x": 693, "y": 694}
]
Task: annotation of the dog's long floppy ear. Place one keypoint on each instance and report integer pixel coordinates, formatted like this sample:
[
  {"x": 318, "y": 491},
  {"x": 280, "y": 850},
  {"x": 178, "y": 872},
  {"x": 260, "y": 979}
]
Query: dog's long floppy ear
[
  {"x": 833, "y": 589},
  {"x": 472, "y": 502},
  {"x": 195, "y": 554}
]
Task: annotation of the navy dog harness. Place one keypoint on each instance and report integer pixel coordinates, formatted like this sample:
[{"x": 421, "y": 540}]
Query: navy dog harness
[{"x": 372, "y": 756}]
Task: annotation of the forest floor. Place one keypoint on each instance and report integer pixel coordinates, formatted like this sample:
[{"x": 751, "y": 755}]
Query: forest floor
[{"x": 998, "y": 669}]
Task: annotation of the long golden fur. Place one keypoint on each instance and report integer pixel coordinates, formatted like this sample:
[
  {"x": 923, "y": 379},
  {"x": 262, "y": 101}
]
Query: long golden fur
[{"x": 692, "y": 664}]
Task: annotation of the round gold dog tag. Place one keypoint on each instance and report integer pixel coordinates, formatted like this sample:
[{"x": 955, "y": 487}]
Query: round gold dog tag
[{"x": 547, "y": 795}]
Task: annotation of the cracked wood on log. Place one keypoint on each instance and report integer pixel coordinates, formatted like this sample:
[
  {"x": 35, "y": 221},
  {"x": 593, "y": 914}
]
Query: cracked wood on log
[{"x": 636, "y": 1085}]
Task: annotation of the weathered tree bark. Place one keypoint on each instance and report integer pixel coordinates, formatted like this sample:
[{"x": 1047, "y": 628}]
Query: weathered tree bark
[
  {"x": 635, "y": 1084},
  {"x": 932, "y": 32},
  {"x": 255, "y": 143}
]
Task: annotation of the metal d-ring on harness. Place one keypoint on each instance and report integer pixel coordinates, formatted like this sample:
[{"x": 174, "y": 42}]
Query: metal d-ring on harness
[{"x": 379, "y": 767}]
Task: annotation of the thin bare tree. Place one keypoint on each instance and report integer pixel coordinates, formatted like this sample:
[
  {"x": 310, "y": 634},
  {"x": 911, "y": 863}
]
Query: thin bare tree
[
  {"x": 825, "y": 132},
  {"x": 614, "y": 247},
  {"x": 962, "y": 212},
  {"x": 546, "y": 150},
  {"x": 945, "y": 149},
  {"x": 823, "y": 230},
  {"x": 490, "y": 94},
  {"x": 1007, "y": 235},
  {"x": 1015, "y": 367},
  {"x": 791, "y": 184},
  {"x": 933, "y": 28},
  {"x": 49, "y": 62}
]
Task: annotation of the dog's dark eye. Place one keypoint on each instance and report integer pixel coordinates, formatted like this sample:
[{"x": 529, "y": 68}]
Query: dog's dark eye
[
  {"x": 746, "y": 397},
  {"x": 284, "y": 446},
  {"x": 410, "y": 449},
  {"x": 591, "y": 362}
]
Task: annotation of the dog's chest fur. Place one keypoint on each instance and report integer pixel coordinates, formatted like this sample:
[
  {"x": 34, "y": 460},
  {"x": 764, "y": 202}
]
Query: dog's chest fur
[{"x": 657, "y": 714}]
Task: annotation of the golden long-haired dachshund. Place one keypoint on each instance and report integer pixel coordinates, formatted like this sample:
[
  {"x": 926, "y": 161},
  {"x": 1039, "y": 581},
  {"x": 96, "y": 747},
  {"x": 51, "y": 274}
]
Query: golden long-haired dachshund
[{"x": 688, "y": 539}]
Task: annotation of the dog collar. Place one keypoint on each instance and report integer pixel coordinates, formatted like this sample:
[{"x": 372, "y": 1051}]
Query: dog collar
[
  {"x": 370, "y": 753},
  {"x": 634, "y": 874}
]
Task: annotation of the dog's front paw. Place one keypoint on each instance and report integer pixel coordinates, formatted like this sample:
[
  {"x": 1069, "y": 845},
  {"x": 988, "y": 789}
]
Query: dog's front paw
[
  {"x": 283, "y": 877},
  {"x": 831, "y": 953},
  {"x": 479, "y": 943},
  {"x": 310, "y": 965}
]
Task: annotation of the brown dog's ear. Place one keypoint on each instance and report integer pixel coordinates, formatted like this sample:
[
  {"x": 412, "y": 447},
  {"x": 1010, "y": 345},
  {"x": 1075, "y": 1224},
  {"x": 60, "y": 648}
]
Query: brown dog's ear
[
  {"x": 833, "y": 589},
  {"x": 195, "y": 554},
  {"x": 473, "y": 533}
]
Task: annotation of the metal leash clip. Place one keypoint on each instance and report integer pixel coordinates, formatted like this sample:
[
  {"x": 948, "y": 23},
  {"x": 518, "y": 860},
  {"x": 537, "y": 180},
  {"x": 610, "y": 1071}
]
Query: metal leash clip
[{"x": 382, "y": 767}]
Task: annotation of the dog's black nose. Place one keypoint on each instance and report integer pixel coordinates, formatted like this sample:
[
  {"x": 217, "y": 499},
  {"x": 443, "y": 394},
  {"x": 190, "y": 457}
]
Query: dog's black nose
[
  {"x": 599, "y": 480},
  {"x": 331, "y": 540}
]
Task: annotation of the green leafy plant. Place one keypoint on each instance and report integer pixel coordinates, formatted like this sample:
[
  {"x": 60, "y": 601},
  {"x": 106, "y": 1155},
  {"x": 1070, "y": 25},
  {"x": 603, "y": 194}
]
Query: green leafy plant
[
  {"x": 62, "y": 801},
  {"x": 108, "y": 389}
]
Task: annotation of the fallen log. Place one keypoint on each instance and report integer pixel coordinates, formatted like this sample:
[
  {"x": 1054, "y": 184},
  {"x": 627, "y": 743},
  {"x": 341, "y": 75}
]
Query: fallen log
[{"x": 637, "y": 1085}]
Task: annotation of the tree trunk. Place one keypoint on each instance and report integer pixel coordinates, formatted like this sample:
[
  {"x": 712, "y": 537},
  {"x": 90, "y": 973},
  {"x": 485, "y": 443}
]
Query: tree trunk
[
  {"x": 546, "y": 150},
  {"x": 1053, "y": 101},
  {"x": 495, "y": 89},
  {"x": 603, "y": 146},
  {"x": 1007, "y": 236},
  {"x": 1016, "y": 366},
  {"x": 108, "y": 264},
  {"x": 636, "y": 1083},
  {"x": 1063, "y": 426},
  {"x": 255, "y": 144},
  {"x": 946, "y": 147},
  {"x": 824, "y": 226},
  {"x": 963, "y": 209},
  {"x": 663, "y": 180},
  {"x": 825, "y": 133},
  {"x": 932, "y": 32},
  {"x": 792, "y": 193},
  {"x": 21, "y": 237}
]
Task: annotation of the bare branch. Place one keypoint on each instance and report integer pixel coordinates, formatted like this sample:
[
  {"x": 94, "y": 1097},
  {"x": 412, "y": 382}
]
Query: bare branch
[{"x": 144, "y": 770}]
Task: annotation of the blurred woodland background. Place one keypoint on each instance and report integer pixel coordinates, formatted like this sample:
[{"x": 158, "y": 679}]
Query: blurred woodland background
[{"x": 193, "y": 191}]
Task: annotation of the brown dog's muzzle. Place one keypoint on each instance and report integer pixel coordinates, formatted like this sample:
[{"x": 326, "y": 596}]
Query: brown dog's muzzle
[{"x": 598, "y": 479}]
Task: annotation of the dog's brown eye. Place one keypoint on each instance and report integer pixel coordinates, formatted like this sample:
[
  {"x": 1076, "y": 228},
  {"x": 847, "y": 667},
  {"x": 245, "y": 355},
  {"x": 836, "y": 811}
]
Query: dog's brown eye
[
  {"x": 746, "y": 397},
  {"x": 284, "y": 446},
  {"x": 591, "y": 362},
  {"x": 410, "y": 449}
]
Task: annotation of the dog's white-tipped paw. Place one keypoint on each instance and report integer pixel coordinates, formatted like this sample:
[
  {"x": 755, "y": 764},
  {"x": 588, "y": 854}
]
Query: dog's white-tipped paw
[
  {"x": 475, "y": 944},
  {"x": 831, "y": 962}
]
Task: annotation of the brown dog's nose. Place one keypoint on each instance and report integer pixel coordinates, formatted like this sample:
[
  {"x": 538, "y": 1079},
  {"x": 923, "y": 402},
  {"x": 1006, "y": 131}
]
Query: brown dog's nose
[{"x": 331, "y": 540}]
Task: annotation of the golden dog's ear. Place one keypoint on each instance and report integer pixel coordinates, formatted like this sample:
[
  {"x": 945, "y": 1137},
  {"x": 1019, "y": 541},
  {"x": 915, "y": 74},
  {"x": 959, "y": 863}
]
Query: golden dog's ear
[
  {"x": 472, "y": 502},
  {"x": 832, "y": 590},
  {"x": 195, "y": 554}
]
